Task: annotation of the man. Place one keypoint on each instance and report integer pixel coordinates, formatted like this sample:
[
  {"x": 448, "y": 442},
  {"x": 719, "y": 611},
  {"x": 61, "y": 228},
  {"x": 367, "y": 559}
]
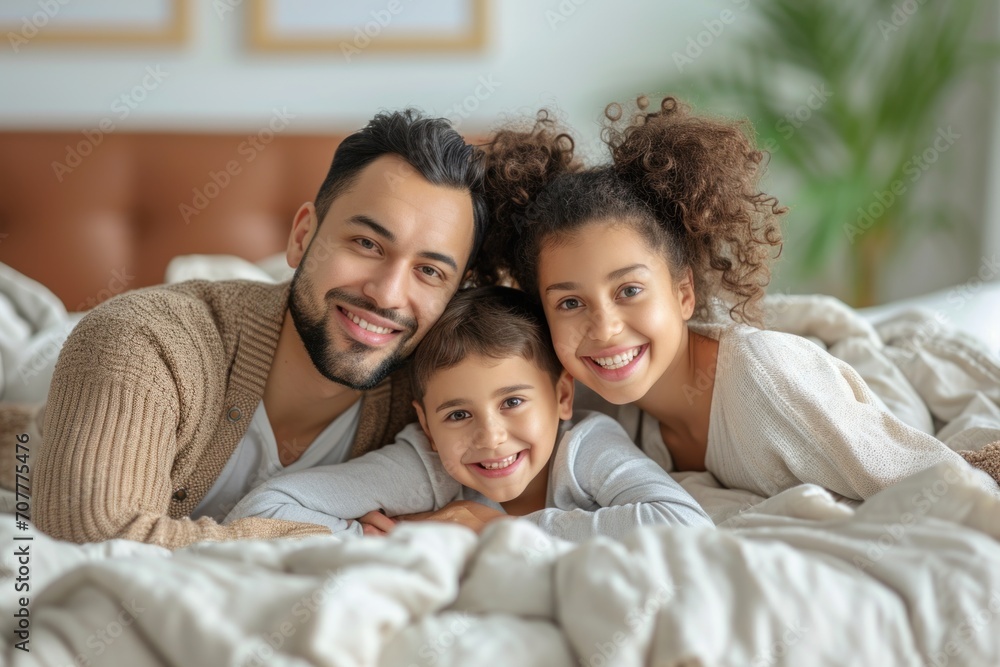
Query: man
[{"x": 169, "y": 403}]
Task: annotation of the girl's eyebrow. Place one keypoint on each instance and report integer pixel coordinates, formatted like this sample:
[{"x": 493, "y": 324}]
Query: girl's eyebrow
[{"x": 614, "y": 275}]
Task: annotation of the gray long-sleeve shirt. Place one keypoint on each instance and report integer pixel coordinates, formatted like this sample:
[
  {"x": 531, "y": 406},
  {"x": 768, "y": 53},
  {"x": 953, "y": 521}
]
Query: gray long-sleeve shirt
[{"x": 600, "y": 483}]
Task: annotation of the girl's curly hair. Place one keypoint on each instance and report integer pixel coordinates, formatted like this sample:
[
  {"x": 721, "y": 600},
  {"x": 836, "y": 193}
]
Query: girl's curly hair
[{"x": 687, "y": 184}]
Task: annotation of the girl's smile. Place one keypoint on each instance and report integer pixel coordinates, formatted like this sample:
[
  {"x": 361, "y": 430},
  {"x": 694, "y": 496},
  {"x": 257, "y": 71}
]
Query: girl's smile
[{"x": 617, "y": 317}]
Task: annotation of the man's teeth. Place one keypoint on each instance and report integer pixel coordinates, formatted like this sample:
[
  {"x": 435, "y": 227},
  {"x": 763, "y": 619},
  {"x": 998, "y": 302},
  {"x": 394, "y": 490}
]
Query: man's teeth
[
  {"x": 367, "y": 326},
  {"x": 500, "y": 464},
  {"x": 617, "y": 361}
]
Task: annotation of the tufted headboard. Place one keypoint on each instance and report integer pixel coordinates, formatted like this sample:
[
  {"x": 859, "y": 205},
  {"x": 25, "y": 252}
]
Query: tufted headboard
[{"x": 89, "y": 217}]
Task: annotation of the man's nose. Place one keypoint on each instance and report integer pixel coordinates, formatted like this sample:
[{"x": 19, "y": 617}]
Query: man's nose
[{"x": 388, "y": 286}]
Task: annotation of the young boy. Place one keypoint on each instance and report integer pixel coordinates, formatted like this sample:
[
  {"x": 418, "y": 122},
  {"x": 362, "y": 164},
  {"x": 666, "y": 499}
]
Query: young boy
[{"x": 491, "y": 396}]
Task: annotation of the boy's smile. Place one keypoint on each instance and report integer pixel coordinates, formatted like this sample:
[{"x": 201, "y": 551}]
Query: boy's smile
[{"x": 494, "y": 424}]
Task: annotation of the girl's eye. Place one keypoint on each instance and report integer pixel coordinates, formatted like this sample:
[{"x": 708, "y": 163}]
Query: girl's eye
[
  {"x": 569, "y": 304},
  {"x": 513, "y": 402},
  {"x": 630, "y": 291},
  {"x": 457, "y": 415}
]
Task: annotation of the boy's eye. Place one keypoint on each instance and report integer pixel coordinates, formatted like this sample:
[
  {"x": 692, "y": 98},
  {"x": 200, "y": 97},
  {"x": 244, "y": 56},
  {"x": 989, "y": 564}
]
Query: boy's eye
[
  {"x": 367, "y": 244},
  {"x": 569, "y": 304},
  {"x": 457, "y": 415},
  {"x": 513, "y": 402},
  {"x": 630, "y": 291}
]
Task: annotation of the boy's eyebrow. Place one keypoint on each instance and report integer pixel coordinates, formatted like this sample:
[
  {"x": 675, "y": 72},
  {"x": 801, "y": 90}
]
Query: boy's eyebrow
[
  {"x": 365, "y": 221},
  {"x": 614, "y": 275},
  {"x": 456, "y": 402}
]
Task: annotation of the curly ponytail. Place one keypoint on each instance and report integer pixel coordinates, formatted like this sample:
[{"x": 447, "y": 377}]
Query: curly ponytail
[
  {"x": 687, "y": 185},
  {"x": 699, "y": 177},
  {"x": 520, "y": 164}
]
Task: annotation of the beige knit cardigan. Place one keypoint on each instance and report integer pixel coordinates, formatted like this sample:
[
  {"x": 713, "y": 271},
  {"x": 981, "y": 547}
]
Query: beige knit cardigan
[{"x": 152, "y": 392}]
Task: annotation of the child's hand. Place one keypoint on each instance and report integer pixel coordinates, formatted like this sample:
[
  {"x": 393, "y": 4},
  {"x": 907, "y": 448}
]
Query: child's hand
[
  {"x": 376, "y": 523},
  {"x": 465, "y": 512}
]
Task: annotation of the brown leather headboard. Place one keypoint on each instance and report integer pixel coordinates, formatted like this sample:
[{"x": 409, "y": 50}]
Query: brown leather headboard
[{"x": 89, "y": 218}]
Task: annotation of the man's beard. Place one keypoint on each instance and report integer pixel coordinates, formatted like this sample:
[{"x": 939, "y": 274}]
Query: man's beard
[{"x": 348, "y": 368}]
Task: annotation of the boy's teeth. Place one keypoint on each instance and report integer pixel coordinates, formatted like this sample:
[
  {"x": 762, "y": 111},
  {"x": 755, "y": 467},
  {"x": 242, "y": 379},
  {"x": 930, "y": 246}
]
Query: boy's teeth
[
  {"x": 366, "y": 325},
  {"x": 500, "y": 464},
  {"x": 617, "y": 361}
]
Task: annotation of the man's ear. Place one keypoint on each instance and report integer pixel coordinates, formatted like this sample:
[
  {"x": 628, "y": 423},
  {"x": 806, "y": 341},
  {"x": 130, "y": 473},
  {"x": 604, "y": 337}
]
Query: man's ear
[
  {"x": 685, "y": 294},
  {"x": 564, "y": 395},
  {"x": 304, "y": 227},
  {"x": 419, "y": 407}
]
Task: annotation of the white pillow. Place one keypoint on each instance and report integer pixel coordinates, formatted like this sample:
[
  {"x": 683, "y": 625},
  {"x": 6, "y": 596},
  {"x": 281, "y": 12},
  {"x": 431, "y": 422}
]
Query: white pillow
[
  {"x": 972, "y": 307},
  {"x": 227, "y": 267}
]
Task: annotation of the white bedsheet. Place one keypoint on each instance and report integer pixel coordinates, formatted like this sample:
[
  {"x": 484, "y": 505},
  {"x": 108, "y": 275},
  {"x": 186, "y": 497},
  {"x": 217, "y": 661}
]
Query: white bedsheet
[{"x": 912, "y": 577}]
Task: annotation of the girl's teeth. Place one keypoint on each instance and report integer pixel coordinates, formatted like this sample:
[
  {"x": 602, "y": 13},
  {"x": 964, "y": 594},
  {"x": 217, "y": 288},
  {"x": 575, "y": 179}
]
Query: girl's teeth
[
  {"x": 617, "y": 361},
  {"x": 366, "y": 325},
  {"x": 500, "y": 464}
]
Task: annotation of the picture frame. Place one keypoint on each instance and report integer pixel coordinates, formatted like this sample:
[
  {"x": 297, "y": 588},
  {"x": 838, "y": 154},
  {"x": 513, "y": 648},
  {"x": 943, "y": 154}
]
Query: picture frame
[
  {"x": 354, "y": 26},
  {"x": 96, "y": 22}
]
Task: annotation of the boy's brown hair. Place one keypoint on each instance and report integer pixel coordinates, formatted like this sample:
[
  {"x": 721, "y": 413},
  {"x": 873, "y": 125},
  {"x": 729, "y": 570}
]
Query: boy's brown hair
[{"x": 494, "y": 322}]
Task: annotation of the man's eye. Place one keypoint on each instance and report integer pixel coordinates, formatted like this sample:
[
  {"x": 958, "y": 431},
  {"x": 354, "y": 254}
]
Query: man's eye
[
  {"x": 569, "y": 304},
  {"x": 431, "y": 272},
  {"x": 367, "y": 244},
  {"x": 513, "y": 402},
  {"x": 457, "y": 415}
]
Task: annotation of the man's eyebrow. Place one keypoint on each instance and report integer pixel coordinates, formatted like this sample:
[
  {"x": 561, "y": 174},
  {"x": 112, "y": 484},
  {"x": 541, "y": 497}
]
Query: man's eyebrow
[
  {"x": 447, "y": 259},
  {"x": 614, "y": 275},
  {"x": 365, "y": 221}
]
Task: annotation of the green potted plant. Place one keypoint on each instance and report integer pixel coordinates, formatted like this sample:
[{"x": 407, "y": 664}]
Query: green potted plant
[{"x": 846, "y": 97}]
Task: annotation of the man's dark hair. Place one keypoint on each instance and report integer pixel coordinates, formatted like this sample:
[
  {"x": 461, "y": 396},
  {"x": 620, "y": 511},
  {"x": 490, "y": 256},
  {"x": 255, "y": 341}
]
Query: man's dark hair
[
  {"x": 494, "y": 322},
  {"x": 429, "y": 145}
]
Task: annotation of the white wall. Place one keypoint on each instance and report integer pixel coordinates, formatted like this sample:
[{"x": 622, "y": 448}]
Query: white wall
[{"x": 576, "y": 54}]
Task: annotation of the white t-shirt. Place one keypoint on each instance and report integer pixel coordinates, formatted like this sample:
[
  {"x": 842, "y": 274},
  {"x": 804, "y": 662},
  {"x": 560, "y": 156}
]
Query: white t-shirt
[{"x": 255, "y": 459}]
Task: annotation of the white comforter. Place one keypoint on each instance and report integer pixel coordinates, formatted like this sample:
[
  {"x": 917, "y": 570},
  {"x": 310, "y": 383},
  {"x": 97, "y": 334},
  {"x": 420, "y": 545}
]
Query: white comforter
[{"x": 912, "y": 577}]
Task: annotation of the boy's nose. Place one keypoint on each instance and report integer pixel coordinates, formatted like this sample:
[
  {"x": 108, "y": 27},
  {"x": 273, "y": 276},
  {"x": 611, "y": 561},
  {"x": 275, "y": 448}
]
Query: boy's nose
[{"x": 491, "y": 435}]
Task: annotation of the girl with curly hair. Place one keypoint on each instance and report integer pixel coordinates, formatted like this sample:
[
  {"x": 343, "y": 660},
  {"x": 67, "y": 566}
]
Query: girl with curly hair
[{"x": 650, "y": 270}]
